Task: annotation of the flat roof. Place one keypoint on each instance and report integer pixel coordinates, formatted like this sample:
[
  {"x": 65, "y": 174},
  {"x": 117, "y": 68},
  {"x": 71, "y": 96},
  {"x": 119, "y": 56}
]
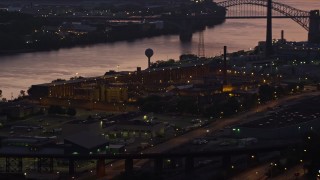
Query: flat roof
[
  {"x": 180, "y": 65},
  {"x": 69, "y": 81},
  {"x": 116, "y": 146},
  {"x": 87, "y": 139}
]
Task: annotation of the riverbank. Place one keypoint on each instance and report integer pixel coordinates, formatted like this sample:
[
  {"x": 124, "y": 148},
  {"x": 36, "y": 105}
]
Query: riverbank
[
  {"x": 31, "y": 30},
  {"x": 118, "y": 34}
]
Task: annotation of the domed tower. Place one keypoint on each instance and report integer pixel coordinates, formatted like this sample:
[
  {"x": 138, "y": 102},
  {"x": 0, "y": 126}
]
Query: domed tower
[{"x": 149, "y": 54}]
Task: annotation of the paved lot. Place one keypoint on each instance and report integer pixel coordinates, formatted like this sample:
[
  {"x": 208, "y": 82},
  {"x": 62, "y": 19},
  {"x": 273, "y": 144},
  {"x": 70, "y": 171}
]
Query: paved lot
[
  {"x": 118, "y": 166},
  {"x": 302, "y": 111}
]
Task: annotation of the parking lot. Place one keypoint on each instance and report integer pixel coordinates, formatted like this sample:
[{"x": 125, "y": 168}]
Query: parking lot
[{"x": 281, "y": 116}]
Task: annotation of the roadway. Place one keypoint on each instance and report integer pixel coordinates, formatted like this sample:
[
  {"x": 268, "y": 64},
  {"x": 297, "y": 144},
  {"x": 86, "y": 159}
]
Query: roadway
[
  {"x": 118, "y": 166},
  {"x": 255, "y": 173},
  {"x": 259, "y": 173},
  {"x": 296, "y": 172}
]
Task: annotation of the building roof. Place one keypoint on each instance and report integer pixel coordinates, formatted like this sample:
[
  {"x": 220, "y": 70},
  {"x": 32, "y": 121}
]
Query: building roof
[
  {"x": 79, "y": 80},
  {"x": 179, "y": 65},
  {"x": 87, "y": 140},
  {"x": 116, "y": 146}
]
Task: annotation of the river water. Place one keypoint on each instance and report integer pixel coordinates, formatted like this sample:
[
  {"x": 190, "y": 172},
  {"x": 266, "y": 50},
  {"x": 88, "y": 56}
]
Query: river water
[{"x": 18, "y": 72}]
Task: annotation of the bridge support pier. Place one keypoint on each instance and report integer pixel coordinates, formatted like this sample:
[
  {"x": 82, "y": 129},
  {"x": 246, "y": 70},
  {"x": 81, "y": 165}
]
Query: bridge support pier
[
  {"x": 129, "y": 166},
  {"x": 185, "y": 31},
  {"x": 101, "y": 168},
  {"x": 314, "y": 27},
  {"x": 158, "y": 166},
  {"x": 189, "y": 164},
  {"x": 269, "y": 49}
]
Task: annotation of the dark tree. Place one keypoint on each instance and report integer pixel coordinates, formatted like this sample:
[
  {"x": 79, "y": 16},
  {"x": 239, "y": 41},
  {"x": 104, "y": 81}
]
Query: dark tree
[
  {"x": 56, "y": 110},
  {"x": 71, "y": 111},
  {"x": 250, "y": 101},
  {"x": 266, "y": 93},
  {"x": 232, "y": 106}
]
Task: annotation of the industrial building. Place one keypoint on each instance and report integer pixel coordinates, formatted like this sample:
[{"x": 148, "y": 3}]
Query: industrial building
[
  {"x": 134, "y": 128},
  {"x": 85, "y": 143}
]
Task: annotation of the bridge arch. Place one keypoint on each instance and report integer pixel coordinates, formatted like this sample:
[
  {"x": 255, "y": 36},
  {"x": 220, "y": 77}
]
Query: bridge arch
[{"x": 299, "y": 16}]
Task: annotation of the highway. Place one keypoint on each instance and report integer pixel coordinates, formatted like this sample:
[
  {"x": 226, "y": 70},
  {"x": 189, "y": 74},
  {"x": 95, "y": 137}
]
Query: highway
[
  {"x": 118, "y": 166},
  {"x": 258, "y": 173},
  {"x": 253, "y": 174}
]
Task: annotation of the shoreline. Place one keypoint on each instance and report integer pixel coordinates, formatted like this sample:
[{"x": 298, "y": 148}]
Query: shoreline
[
  {"x": 23, "y": 51},
  {"x": 132, "y": 39}
]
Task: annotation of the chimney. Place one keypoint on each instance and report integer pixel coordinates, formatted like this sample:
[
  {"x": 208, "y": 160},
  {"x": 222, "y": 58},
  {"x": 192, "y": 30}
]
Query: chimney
[
  {"x": 139, "y": 78},
  {"x": 224, "y": 65}
]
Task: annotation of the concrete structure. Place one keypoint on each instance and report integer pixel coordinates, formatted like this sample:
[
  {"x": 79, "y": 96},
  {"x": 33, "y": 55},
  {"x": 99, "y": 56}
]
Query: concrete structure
[
  {"x": 18, "y": 110},
  {"x": 91, "y": 89},
  {"x": 89, "y": 92},
  {"x": 116, "y": 93},
  {"x": 269, "y": 50},
  {"x": 59, "y": 88}
]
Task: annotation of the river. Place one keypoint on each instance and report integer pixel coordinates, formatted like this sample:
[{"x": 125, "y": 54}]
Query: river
[{"x": 18, "y": 72}]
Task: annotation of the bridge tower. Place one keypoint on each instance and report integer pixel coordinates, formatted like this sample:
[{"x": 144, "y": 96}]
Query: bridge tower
[
  {"x": 314, "y": 27},
  {"x": 269, "y": 49},
  {"x": 201, "y": 49}
]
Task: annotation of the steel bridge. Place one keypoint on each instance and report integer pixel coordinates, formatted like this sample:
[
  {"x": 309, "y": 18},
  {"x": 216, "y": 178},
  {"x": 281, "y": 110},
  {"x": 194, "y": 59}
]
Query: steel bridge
[
  {"x": 241, "y": 9},
  {"x": 236, "y": 9},
  {"x": 310, "y": 21},
  {"x": 45, "y": 163},
  {"x": 250, "y": 8}
]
